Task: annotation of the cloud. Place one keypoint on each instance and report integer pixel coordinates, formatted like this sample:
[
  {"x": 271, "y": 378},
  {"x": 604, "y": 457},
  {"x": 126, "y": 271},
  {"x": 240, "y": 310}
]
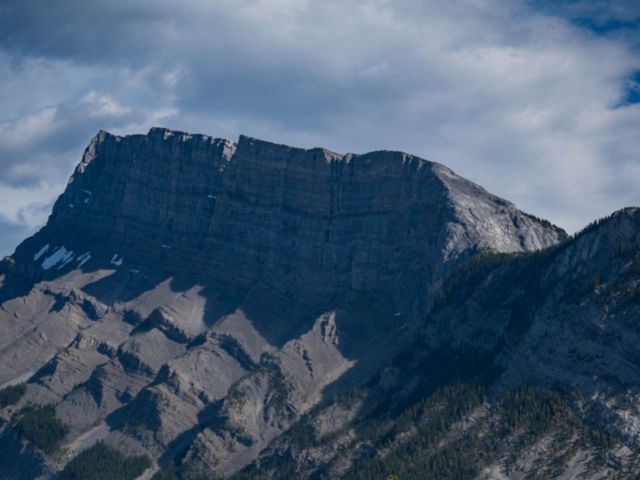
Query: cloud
[
  {"x": 526, "y": 98},
  {"x": 27, "y": 206}
]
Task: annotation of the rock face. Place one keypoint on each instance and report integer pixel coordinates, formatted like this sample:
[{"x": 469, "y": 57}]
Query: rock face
[
  {"x": 308, "y": 225},
  {"x": 191, "y": 298}
]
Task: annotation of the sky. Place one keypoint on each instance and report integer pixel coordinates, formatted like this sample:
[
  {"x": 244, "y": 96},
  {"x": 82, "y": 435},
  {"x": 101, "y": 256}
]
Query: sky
[{"x": 538, "y": 101}]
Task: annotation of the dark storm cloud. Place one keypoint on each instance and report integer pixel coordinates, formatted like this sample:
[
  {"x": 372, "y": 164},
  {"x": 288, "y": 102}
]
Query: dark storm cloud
[{"x": 517, "y": 96}]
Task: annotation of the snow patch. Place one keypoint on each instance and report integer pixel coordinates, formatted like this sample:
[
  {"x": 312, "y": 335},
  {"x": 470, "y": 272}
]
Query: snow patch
[
  {"x": 65, "y": 262},
  {"x": 116, "y": 261},
  {"x": 60, "y": 255},
  {"x": 84, "y": 258},
  {"x": 41, "y": 252}
]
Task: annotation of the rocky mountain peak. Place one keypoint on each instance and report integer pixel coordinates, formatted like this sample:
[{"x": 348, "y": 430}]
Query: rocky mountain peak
[{"x": 255, "y": 214}]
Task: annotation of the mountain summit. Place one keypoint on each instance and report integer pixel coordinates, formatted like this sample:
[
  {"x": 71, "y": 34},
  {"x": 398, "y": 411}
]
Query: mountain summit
[
  {"x": 198, "y": 303},
  {"x": 241, "y": 213}
]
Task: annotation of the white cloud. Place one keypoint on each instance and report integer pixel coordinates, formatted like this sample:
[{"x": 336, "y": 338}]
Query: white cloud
[
  {"x": 104, "y": 105},
  {"x": 27, "y": 206},
  {"x": 24, "y": 131}
]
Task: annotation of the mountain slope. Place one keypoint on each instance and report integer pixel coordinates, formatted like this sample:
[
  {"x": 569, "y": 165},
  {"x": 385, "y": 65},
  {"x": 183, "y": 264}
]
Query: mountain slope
[
  {"x": 526, "y": 368},
  {"x": 191, "y": 298}
]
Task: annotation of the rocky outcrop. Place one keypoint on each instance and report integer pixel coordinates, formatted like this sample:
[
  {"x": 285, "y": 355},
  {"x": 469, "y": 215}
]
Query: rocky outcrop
[{"x": 190, "y": 298}]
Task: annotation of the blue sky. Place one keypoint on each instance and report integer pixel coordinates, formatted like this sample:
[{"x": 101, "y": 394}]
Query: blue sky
[{"x": 537, "y": 101}]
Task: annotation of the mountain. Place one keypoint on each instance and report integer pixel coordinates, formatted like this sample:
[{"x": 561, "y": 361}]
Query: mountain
[
  {"x": 200, "y": 307},
  {"x": 527, "y": 367}
]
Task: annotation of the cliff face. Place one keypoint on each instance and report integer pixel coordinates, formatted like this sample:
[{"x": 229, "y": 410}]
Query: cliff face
[
  {"x": 307, "y": 224},
  {"x": 191, "y": 192},
  {"x": 191, "y": 297}
]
